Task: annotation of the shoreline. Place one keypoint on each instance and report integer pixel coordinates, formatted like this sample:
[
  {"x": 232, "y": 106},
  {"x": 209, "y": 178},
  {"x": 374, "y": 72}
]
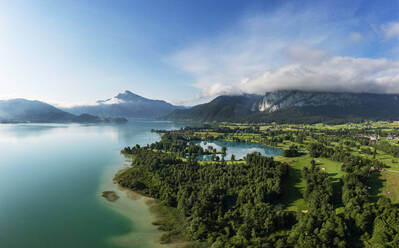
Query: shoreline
[
  {"x": 158, "y": 211},
  {"x": 140, "y": 232}
]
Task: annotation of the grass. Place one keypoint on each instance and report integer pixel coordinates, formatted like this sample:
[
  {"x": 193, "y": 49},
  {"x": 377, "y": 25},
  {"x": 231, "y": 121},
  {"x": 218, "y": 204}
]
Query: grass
[
  {"x": 390, "y": 183},
  {"x": 389, "y": 160},
  {"x": 294, "y": 184},
  {"x": 380, "y": 183},
  {"x": 170, "y": 221}
]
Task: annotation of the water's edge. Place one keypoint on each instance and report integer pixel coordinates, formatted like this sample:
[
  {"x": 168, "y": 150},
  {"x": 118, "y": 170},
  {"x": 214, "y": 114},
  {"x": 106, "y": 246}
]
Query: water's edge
[{"x": 135, "y": 208}]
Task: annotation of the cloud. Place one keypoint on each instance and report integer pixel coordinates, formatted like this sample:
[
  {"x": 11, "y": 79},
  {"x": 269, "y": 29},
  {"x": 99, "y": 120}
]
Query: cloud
[
  {"x": 334, "y": 73},
  {"x": 355, "y": 36},
  {"x": 304, "y": 54},
  {"x": 110, "y": 101},
  {"x": 286, "y": 49},
  {"x": 254, "y": 45},
  {"x": 391, "y": 30}
]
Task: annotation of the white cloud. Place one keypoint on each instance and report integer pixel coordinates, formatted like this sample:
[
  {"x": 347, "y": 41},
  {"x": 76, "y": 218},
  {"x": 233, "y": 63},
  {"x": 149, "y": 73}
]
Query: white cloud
[
  {"x": 335, "y": 73},
  {"x": 110, "y": 101},
  {"x": 355, "y": 36},
  {"x": 304, "y": 54},
  {"x": 391, "y": 30},
  {"x": 255, "y": 45},
  {"x": 285, "y": 50}
]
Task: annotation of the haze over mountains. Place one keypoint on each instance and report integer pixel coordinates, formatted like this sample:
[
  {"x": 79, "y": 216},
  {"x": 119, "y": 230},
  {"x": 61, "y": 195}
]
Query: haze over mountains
[
  {"x": 289, "y": 106},
  {"x": 128, "y": 105},
  {"x": 294, "y": 106},
  {"x": 116, "y": 109},
  {"x": 22, "y": 110}
]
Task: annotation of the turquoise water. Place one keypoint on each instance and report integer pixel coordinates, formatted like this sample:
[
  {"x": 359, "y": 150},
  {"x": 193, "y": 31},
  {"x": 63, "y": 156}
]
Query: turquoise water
[
  {"x": 239, "y": 149},
  {"x": 51, "y": 179}
]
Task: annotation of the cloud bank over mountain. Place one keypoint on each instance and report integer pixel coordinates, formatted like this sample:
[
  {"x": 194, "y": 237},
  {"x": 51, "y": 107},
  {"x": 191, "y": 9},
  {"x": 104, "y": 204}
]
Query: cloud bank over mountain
[
  {"x": 291, "y": 49},
  {"x": 330, "y": 73}
]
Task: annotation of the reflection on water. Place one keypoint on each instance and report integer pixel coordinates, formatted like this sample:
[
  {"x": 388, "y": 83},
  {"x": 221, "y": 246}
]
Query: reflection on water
[
  {"x": 22, "y": 131},
  {"x": 51, "y": 179},
  {"x": 128, "y": 133},
  {"x": 239, "y": 149}
]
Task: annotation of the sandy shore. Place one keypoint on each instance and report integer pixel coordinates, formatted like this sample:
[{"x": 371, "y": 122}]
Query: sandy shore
[
  {"x": 134, "y": 207},
  {"x": 152, "y": 205}
]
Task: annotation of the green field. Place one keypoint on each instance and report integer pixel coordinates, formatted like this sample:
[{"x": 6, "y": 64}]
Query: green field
[{"x": 295, "y": 184}]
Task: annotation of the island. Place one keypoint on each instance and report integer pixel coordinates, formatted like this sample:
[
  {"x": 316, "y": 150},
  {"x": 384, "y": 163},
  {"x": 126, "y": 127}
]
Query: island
[{"x": 110, "y": 196}]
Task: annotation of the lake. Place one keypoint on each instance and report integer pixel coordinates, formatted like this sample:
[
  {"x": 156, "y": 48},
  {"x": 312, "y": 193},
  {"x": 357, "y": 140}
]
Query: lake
[
  {"x": 239, "y": 149},
  {"x": 51, "y": 180}
]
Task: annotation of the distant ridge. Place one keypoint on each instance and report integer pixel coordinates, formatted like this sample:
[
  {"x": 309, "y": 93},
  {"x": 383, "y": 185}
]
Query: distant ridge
[
  {"x": 128, "y": 105},
  {"x": 294, "y": 106},
  {"x": 22, "y": 110}
]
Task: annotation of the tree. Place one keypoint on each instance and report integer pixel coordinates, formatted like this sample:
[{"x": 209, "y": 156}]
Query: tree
[
  {"x": 292, "y": 151},
  {"x": 313, "y": 163}
]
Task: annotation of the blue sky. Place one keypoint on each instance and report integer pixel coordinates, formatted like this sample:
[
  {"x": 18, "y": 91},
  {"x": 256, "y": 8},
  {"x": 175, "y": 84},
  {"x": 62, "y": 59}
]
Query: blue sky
[{"x": 187, "y": 52}]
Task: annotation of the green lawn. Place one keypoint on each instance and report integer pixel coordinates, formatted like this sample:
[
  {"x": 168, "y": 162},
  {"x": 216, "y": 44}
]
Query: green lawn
[
  {"x": 389, "y": 160},
  {"x": 390, "y": 183},
  {"x": 294, "y": 185}
]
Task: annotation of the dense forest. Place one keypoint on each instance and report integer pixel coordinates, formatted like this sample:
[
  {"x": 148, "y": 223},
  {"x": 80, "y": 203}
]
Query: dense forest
[{"x": 238, "y": 203}]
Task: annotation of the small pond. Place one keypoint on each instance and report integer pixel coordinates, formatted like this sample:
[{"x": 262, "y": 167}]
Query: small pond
[{"x": 239, "y": 149}]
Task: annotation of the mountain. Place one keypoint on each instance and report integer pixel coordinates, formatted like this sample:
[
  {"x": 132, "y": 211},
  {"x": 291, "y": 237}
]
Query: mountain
[
  {"x": 222, "y": 108},
  {"x": 128, "y": 105},
  {"x": 294, "y": 106},
  {"x": 22, "y": 110}
]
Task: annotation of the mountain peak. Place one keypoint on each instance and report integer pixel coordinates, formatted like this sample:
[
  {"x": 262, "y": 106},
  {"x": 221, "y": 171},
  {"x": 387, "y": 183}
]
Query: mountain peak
[
  {"x": 126, "y": 104},
  {"x": 128, "y": 96},
  {"x": 128, "y": 92}
]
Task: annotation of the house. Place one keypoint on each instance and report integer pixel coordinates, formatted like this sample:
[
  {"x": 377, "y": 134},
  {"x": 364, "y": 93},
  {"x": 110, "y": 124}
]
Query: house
[{"x": 374, "y": 138}]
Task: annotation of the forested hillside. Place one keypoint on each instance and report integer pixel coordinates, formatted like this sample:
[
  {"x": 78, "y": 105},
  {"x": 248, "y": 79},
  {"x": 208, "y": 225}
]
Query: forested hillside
[{"x": 293, "y": 106}]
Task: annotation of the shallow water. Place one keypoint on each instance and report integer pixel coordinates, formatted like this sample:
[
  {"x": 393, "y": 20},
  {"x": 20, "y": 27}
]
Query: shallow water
[
  {"x": 51, "y": 179},
  {"x": 239, "y": 149}
]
